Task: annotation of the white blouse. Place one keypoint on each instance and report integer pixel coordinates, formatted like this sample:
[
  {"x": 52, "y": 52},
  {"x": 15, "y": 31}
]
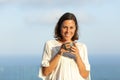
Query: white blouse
[{"x": 67, "y": 68}]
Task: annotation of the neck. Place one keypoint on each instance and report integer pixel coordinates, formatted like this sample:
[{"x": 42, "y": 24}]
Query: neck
[{"x": 63, "y": 41}]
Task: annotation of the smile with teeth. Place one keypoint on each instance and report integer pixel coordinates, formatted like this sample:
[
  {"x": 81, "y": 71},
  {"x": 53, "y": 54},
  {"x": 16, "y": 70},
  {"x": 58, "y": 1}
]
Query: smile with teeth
[{"x": 67, "y": 35}]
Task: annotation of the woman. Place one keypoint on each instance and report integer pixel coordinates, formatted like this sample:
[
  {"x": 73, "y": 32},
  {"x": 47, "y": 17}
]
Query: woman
[{"x": 64, "y": 58}]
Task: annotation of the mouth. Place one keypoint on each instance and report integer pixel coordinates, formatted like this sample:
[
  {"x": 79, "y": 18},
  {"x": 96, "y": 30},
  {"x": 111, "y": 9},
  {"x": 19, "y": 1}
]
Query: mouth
[{"x": 67, "y": 35}]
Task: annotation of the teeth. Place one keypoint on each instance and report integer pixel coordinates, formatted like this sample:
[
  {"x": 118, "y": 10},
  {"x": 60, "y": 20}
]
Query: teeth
[{"x": 67, "y": 35}]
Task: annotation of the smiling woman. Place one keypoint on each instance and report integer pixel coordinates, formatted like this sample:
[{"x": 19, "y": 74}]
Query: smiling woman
[
  {"x": 60, "y": 63},
  {"x": 68, "y": 29}
]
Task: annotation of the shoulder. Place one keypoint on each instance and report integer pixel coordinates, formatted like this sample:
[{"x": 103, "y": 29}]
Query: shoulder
[
  {"x": 81, "y": 44},
  {"x": 51, "y": 41},
  {"x": 83, "y": 48}
]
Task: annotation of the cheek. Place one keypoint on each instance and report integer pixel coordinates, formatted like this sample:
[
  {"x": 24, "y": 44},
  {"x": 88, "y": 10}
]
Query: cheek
[
  {"x": 62, "y": 32},
  {"x": 73, "y": 31}
]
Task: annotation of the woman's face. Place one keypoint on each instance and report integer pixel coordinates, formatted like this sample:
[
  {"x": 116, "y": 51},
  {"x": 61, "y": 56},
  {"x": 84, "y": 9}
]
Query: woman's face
[{"x": 68, "y": 29}]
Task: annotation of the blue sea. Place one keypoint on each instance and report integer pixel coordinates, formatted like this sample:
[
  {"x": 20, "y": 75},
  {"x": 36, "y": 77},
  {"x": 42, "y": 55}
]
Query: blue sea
[{"x": 102, "y": 68}]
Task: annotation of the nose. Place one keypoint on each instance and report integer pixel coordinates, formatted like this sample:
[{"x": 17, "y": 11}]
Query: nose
[{"x": 68, "y": 30}]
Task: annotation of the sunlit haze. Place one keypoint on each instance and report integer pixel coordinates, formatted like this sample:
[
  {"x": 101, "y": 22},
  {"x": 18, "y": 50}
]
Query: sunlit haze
[{"x": 25, "y": 25}]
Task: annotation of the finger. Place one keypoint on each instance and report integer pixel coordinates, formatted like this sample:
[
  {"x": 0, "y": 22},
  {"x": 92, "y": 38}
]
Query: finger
[
  {"x": 73, "y": 49},
  {"x": 62, "y": 45},
  {"x": 72, "y": 53},
  {"x": 75, "y": 44}
]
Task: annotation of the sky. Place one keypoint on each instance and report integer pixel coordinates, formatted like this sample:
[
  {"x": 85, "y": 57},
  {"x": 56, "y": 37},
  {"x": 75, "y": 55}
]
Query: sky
[{"x": 25, "y": 25}]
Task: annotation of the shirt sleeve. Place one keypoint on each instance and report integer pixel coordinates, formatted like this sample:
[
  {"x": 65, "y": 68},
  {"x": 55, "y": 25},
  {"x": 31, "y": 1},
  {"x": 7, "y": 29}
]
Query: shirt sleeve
[
  {"x": 85, "y": 59},
  {"x": 46, "y": 55}
]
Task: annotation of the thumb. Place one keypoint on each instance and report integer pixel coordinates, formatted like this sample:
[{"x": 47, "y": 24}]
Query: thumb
[{"x": 75, "y": 44}]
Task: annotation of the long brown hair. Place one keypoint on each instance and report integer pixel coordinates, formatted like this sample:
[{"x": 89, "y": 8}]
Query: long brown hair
[{"x": 66, "y": 16}]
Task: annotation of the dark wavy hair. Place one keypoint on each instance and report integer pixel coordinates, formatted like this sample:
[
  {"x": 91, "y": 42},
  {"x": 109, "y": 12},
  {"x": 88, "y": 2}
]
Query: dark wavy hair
[{"x": 66, "y": 16}]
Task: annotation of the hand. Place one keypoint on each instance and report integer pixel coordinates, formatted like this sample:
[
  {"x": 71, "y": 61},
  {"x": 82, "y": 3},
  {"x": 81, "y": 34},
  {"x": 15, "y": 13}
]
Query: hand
[
  {"x": 75, "y": 50},
  {"x": 62, "y": 50}
]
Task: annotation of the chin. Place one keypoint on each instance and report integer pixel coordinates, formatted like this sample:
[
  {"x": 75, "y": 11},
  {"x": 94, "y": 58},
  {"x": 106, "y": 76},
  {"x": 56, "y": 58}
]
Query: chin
[{"x": 68, "y": 39}]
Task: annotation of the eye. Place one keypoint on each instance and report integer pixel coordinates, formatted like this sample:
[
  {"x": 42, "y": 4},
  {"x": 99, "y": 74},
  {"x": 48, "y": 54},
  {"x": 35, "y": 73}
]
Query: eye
[
  {"x": 64, "y": 27},
  {"x": 71, "y": 27}
]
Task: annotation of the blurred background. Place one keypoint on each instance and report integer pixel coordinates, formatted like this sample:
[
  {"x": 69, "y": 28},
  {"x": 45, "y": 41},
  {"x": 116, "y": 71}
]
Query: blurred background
[{"x": 25, "y": 25}]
